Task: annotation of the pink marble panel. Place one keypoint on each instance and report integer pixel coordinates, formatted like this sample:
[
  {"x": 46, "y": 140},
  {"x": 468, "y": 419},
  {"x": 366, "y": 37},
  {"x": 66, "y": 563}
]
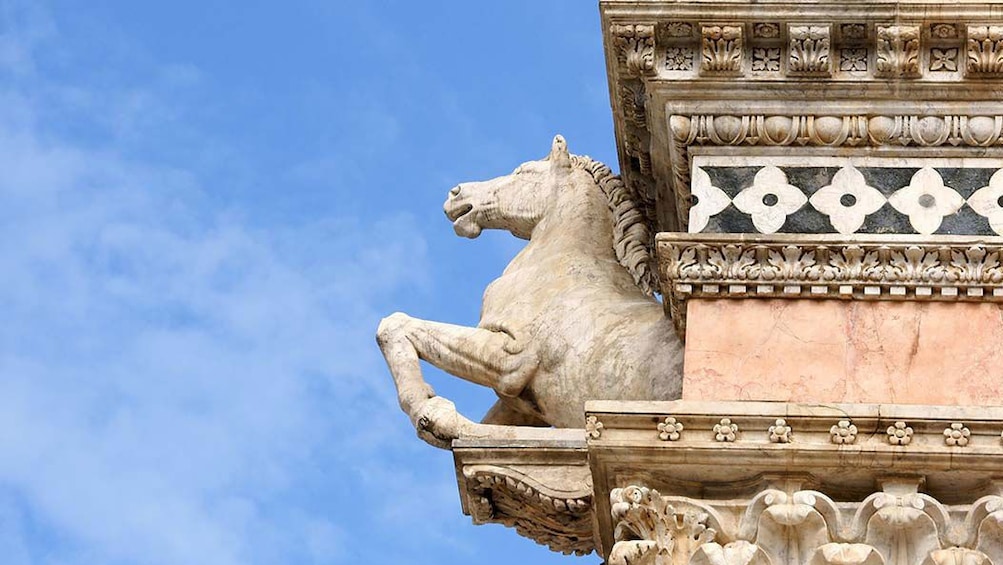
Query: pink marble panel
[{"x": 844, "y": 351}]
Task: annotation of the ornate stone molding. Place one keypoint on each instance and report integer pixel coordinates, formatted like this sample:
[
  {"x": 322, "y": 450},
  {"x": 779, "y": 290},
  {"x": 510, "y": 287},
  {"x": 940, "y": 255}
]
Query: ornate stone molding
[
  {"x": 554, "y": 517},
  {"x": 721, "y": 47},
  {"x": 897, "y": 53},
  {"x": 808, "y": 500},
  {"x": 537, "y": 482},
  {"x": 809, "y": 50},
  {"x": 949, "y": 268},
  {"x": 841, "y": 61},
  {"x": 635, "y": 46},
  {"x": 896, "y": 525},
  {"x": 818, "y": 131},
  {"x": 985, "y": 50}
]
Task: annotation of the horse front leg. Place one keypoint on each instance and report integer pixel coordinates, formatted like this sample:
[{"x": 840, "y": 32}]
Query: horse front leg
[{"x": 489, "y": 358}]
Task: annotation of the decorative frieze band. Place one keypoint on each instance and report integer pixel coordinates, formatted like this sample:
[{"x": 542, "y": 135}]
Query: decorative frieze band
[
  {"x": 751, "y": 130},
  {"x": 795, "y": 49},
  {"x": 897, "y": 525},
  {"x": 744, "y": 483},
  {"x": 948, "y": 268}
]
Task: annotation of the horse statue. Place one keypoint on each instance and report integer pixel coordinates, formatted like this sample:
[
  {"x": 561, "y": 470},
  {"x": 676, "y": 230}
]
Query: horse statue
[{"x": 572, "y": 318}]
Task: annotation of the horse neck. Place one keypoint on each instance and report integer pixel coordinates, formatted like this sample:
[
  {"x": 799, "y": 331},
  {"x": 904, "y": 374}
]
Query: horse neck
[{"x": 579, "y": 223}]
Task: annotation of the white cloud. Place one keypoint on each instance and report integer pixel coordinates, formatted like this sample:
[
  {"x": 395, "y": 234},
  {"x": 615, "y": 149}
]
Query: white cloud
[{"x": 170, "y": 372}]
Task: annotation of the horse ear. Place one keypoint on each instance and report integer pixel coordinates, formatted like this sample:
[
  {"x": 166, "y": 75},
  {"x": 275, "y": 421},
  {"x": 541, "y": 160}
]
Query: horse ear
[{"x": 559, "y": 156}]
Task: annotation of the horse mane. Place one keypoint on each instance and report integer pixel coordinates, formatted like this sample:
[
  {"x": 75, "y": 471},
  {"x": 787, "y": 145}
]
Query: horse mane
[{"x": 631, "y": 233}]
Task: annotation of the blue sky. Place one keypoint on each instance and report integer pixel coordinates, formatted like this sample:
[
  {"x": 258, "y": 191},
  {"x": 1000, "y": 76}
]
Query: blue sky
[{"x": 205, "y": 209}]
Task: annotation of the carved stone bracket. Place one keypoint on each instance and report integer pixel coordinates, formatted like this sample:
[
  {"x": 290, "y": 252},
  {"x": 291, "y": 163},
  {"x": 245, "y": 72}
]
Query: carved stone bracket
[
  {"x": 541, "y": 487},
  {"x": 950, "y": 268},
  {"x": 549, "y": 515}
]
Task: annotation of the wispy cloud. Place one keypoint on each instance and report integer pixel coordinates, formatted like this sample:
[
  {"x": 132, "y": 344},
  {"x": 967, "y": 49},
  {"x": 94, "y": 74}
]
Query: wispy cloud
[{"x": 174, "y": 376}]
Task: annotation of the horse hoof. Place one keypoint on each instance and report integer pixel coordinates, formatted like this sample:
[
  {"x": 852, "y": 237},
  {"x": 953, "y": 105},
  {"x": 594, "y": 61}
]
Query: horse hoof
[{"x": 437, "y": 422}]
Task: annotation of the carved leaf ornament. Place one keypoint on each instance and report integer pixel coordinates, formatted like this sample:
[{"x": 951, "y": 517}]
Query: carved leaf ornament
[{"x": 804, "y": 527}]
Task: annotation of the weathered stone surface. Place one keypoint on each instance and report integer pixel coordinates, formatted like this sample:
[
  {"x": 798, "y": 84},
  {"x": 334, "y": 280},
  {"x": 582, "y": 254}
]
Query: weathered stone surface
[
  {"x": 899, "y": 484},
  {"x": 862, "y": 77},
  {"x": 536, "y": 481}
]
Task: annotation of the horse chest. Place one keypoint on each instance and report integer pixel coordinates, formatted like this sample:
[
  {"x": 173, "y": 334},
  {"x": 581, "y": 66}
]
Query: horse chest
[{"x": 516, "y": 296}]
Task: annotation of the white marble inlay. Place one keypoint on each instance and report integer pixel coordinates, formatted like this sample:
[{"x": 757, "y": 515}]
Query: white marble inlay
[
  {"x": 848, "y": 200},
  {"x": 986, "y": 201},
  {"x": 926, "y": 200},
  {"x": 711, "y": 200},
  {"x": 770, "y": 199}
]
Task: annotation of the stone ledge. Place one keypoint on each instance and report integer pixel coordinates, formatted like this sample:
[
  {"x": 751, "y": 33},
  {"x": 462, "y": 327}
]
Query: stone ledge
[
  {"x": 852, "y": 459},
  {"x": 858, "y": 267}
]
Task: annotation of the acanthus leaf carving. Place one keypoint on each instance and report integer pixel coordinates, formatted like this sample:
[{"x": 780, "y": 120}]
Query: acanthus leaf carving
[
  {"x": 635, "y": 44},
  {"x": 985, "y": 50},
  {"x": 721, "y": 49},
  {"x": 809, "y": 50},
  {"x": 897, "y": 51},
  {"x": 650, "y": 530},
  {"x": 559, "y": 518},
  {"x": 738, "y": 552}
]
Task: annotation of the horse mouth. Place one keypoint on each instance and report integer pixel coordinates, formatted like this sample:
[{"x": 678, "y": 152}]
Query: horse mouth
[{"x": 457, "y": 213}]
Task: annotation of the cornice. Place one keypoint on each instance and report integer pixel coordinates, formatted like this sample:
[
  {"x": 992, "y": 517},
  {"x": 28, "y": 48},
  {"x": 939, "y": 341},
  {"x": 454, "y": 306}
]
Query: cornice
[{"x": 857, "y": 267}]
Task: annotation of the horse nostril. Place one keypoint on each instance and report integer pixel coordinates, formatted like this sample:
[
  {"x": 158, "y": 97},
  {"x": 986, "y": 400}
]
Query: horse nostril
[{"x": 455, "y": 191}]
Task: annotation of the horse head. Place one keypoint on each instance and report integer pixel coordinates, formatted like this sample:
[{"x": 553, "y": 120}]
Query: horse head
[{"x": 515, "y": 202}]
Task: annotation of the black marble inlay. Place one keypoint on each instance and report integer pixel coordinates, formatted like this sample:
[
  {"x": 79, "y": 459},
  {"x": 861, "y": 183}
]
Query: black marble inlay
[
  {"x": 887, "y": 180},
  {"x": 731, "y": 179}
]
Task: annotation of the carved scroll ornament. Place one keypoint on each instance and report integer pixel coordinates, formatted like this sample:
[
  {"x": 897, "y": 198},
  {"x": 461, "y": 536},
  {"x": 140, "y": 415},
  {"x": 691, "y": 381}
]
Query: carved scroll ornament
[{"x": 897, "y": 526}]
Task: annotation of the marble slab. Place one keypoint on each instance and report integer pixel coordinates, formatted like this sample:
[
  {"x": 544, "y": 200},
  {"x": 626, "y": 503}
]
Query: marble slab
[{"x": 805, "y": 350}]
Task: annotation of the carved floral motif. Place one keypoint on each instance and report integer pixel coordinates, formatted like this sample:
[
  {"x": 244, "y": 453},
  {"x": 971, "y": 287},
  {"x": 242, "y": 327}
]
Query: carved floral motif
[
  {"x": 593, "y": 427},
  {"x": 635, "y": 46},
  {"x": 766, "y": 59},
  {"x": 853, "y": 59},
  {"x": 985, "y": 50},
  {"x": 679, "y": 59},
  {"x": 722, "y": 48},
  {"x": 944, "y": 59},
  {"x": 669, "y": 429},
  {"x": 808, "y": 49},
  {"x": 957, "y": 435},
  {"x": 780, "y": 432},
  {"x": 898, "y": 51},
  {"x": 725, "y": 430},
  {"x": 679, "y": 29},
  {"x": 843, "y": 433},
  {"x": 899, "y": 433},
  {"x": 764, "y": 30},
  {"x": 943, "y": 31}
]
